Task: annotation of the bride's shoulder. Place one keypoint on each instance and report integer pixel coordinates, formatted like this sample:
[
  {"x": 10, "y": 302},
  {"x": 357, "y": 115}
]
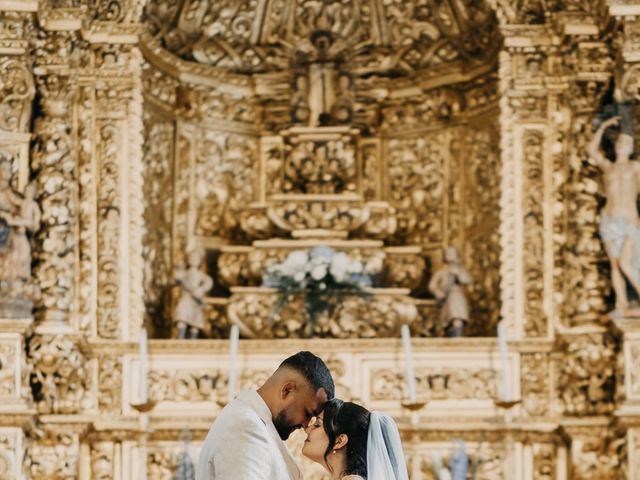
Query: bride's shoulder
[{"x": 352, "y": 477}]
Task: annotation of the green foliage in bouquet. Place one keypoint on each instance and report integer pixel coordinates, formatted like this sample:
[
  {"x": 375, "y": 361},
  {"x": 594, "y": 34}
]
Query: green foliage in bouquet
[{"x": 321, "y": 275}]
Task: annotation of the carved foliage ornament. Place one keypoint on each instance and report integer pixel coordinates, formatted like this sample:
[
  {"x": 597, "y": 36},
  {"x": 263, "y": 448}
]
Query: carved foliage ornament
[
  {"x": 586, "y": 382},
  {"x": 61, "y": 377},
  {"x": 54, "y": 166},
  {"x": 252, "y": 36},
  {"x": 17, "y": 90},
  {"x": 353, "y": 317}
]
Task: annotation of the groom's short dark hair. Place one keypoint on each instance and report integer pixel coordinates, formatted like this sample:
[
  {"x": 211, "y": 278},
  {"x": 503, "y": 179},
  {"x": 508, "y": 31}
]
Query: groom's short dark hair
[{"x": 313, "y": 369}]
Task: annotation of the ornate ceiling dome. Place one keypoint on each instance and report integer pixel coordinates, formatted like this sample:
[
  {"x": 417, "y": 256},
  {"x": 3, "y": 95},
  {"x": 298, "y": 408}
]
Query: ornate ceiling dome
[{"x": 375, "y": 37}]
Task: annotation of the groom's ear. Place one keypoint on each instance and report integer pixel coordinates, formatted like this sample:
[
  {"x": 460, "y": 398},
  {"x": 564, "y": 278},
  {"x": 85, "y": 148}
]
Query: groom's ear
[
  {"x": 341, "y": 441},
  {"x": 287, "y": 388}
]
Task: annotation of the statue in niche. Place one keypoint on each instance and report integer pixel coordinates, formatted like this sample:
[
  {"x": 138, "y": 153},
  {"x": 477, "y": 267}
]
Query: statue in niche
[
  {"x": 26, "y": 221},
  {"x": 20, "y": 217},
  {"x": 447, "y": 284},
  {"x": 323, "y": 94},
  {"x": 194, "y": 285},
  {"x": 342, "y": 108},
  {"x": 8, "y": 202},
  {"x": 620, "y": 224},
  {"x": 300, "y": 111}
]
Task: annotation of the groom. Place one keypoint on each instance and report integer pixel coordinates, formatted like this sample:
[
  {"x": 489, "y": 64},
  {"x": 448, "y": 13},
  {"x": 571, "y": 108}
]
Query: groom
[{"x": 246, "y": 441}]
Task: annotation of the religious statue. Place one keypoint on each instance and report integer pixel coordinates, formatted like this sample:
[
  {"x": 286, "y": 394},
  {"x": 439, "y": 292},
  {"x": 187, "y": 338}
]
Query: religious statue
[
  {"x": 447, "y": 284},
  {"x": 8, "y": 202},
  {"x": 19, "y": 217},
  {"x": 322, "y": 89},
  {"x": 27, "y": 220},
  {"x": 342, "y": 108},
  {"x": 194, "y": 285},
  {"x": 459, "y": 462},
  {"x": 620, "y": 224},
  {"x": 300, "y": 111}
]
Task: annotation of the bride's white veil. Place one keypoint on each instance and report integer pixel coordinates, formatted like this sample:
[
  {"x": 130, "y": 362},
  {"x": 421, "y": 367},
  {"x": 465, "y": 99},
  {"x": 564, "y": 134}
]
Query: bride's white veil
[{"x": 385, "y": 459}]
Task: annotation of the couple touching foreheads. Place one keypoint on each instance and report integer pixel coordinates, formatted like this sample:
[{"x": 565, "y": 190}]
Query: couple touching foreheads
[{"x": 246, "y": 441}]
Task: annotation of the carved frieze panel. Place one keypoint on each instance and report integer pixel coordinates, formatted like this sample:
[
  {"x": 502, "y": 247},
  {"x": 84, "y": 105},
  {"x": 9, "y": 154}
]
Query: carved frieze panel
[
  {"x": 434, "y": 383},
  {"x": 379, "y": 315}
]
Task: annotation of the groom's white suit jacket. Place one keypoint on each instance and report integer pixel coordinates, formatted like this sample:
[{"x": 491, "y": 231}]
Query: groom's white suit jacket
[{"x": 243, "y": 444}]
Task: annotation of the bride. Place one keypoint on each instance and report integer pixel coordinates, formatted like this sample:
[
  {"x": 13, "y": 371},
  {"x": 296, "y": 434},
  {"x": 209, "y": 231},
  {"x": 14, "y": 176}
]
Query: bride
[{"x": 355, "y": 444}]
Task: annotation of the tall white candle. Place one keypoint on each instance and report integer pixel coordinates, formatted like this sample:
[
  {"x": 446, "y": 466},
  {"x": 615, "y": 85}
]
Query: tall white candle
[
  {"x": 408, "y": 359},
  {"x": 143, "y": 365},
  {"x": 233, "y": 360},
  {"x": 504, "y": 361}
]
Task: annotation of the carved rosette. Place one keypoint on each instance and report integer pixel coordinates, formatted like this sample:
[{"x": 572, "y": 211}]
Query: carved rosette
[{"x": 61, "y": 378}]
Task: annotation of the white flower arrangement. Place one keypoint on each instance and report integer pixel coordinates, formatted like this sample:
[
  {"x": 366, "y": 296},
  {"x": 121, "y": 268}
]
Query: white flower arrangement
[{"x": 321, "y": 274}]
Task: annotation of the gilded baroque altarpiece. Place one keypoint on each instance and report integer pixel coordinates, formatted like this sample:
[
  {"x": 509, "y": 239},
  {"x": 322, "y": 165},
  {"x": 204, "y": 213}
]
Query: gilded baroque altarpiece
[{"x": 387, "y": 129}]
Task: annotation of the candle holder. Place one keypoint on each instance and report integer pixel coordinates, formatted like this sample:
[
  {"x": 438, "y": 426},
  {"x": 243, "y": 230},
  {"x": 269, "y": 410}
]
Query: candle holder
[
  {"x": 506, "y": 404},
  {"x": 414, "y": 406},
  {"x": 144, "y": 407}
]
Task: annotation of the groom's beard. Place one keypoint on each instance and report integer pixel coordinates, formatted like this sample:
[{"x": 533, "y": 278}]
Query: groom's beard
[{"x": 283, "y": 425}]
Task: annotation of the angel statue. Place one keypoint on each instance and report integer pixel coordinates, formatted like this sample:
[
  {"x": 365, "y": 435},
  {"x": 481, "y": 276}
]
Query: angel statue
[
  {"x": 447, "y": 284},
  {"x": 194, "y": 285}
]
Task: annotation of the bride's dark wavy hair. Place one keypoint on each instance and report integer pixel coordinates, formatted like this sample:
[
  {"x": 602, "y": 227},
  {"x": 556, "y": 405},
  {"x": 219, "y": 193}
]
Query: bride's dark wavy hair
[{"x": 352, "y": 420}]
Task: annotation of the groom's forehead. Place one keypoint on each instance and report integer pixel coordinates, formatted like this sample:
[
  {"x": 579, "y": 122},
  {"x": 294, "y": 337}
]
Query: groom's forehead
[{"x": 319, "y": 400}]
